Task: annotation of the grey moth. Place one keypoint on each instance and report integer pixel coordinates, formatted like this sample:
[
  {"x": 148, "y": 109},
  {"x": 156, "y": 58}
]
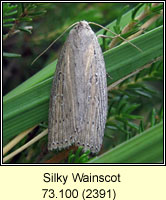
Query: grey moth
[{"x": 78, "y": 101}]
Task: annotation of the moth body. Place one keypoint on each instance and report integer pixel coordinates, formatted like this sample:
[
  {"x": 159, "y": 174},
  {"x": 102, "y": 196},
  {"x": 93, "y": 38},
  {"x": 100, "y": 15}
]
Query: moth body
[{"x": 78, "y": 102}]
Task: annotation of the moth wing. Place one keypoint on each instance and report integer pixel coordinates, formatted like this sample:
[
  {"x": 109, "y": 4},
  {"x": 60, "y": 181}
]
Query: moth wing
[
  {"x": 61, "y": 125},
  {"x": 91, "y": 96}
]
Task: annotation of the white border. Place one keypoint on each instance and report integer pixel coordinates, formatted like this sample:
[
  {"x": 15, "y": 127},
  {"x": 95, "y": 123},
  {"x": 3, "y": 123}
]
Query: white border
[{"x": 79, "y": 164}]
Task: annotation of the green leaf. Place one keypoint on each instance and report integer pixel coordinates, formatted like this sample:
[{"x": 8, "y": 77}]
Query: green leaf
[
  {"x": 161, "y": 114},
  {"x": 11, "y": 55},
  {"x": 157, "y": 8},
  {"x": 25, "y": 19},
  {"x": 153, "y": 115},
  {"x": 139, "y": 92},
  {"x": 7, "y": 7},
  {"x": 136, "y": 10},
  {"x": 141, "y": 127},
  {"x": 132, "y": 107},
  {"x": 79, "y": 156},
  {"x": 117, "y": 27},
  {"x": 10, "y": 13},
  {"x": 31, "y": 7},
  {"x": 127, "y": 116},
  {"x": 8, "y": 25},
  {"x": 124, "y": 21},
  {"x": 132, "y": 125},
  {"x": 25, "y": 29},
  {"x": 8, "y": 20},
  {"x": 146, "y": 147},
  {"x": 71, "y": 158},
  {"x": 26, "y": 109}
]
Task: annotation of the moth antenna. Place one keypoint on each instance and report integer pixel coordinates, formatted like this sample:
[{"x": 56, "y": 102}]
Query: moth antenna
[
  {"x": 116, "y": 35},
  {"x": 53, "y": 43}
]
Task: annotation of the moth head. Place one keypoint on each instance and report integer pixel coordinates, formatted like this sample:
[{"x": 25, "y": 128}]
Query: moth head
[{"x": 83, "y": 24}]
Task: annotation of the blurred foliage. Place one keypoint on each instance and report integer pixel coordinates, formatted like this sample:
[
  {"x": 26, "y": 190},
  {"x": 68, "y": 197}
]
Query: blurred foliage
[
  {"x": 78, "y": 157},
  {"x": 134, "y": 105},
  {"x": 28, "y": 29}
]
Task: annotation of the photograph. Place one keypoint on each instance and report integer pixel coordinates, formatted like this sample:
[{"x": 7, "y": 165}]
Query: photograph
[{"x": 82, "y": 83}]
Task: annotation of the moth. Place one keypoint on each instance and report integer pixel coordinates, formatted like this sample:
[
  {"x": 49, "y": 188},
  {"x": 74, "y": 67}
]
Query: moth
[{"x": 78, "y": 101}]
